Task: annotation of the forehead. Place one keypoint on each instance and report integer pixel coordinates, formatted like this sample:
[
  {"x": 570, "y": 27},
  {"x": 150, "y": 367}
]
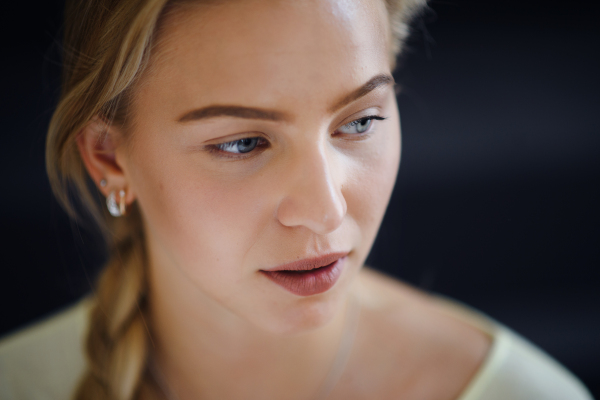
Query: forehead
[{"x": 263, "y": 52}]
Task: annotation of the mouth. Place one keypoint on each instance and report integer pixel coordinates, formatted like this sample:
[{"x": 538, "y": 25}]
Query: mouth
[{"x": 310, "y": 276}]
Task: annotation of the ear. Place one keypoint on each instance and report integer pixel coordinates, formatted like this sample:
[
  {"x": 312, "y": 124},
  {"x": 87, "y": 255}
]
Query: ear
[{"x": 97, "y": 143}]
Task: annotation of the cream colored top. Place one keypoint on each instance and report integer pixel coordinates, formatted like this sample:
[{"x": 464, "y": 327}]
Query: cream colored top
[{"x": 46, "y": 360}]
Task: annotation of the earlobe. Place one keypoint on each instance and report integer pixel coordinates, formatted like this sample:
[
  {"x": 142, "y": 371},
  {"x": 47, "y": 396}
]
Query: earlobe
[{"x": 97, "y": 143}]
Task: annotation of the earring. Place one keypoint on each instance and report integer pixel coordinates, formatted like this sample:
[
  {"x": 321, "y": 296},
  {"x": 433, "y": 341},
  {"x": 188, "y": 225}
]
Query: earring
[
  {"x": 103, "y": 182},
  {"x": 122, "y": 201},
  {"x": 111, "y": 203}
]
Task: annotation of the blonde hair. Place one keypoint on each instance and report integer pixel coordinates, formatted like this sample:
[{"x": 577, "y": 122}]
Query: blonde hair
[{"x": 107, "y": 46}]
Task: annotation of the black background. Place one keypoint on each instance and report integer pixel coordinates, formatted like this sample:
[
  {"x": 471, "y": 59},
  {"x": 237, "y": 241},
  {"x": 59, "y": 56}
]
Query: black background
[{"x": 497, "y": 201}]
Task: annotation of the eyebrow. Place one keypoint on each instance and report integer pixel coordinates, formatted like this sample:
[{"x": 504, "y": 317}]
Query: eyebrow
[
  {"x": 372, "y": 84},
  {"x": 277, "y": 116},
  {"x": 234, "y": 111}
]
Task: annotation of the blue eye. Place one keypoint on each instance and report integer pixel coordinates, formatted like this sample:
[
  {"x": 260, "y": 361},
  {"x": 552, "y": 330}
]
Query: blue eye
[
  {"x": 359, "y": 126},
  {"x": 239, "y": 146}
]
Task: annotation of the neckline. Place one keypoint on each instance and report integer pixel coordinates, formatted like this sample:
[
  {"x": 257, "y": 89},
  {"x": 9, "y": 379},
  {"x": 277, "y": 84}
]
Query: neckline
[{"x": 499, "y": 337}]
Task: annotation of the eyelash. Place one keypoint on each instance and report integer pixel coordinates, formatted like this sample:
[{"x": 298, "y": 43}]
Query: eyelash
[
  {"x": 362, "y": 120},
  {"x": 263, "y": 143}
]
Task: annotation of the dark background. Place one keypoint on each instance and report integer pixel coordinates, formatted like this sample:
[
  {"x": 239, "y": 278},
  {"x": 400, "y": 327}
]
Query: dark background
[{"x": 498, "y": 197}]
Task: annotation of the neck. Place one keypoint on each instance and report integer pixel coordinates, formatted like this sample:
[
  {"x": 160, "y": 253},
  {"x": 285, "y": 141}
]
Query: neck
[{"x": 206, "y": 351}]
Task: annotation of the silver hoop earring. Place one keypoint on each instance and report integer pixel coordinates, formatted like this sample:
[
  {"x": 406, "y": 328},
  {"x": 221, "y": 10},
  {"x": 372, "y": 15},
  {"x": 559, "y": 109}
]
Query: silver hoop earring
[
  {"x": 122, "y": 201},
  {"x": 116, "y": 210}
]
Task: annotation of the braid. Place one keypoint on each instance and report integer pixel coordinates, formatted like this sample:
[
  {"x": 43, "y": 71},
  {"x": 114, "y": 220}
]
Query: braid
[
  {"x": 107, "y": 44},
  {"x": 117, "y": 340}
]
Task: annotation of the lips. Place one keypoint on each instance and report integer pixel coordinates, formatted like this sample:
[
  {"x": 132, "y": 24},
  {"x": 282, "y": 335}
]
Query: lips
[{"x": 309, "y": 276}]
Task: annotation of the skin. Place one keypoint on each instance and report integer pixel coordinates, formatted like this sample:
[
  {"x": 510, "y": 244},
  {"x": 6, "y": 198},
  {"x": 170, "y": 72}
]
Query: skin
[{"x": 213, "y": 219}]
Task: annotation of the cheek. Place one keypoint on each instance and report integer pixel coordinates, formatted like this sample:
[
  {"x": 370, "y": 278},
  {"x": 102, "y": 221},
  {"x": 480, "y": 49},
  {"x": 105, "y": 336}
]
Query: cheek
[
  {"x": 370, "y": 183},
  {"x": 196, "y": 219}
]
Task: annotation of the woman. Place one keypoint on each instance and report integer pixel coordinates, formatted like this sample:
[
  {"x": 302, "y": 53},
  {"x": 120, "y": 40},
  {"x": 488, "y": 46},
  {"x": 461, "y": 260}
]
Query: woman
[{"x": 247, "y": 152}]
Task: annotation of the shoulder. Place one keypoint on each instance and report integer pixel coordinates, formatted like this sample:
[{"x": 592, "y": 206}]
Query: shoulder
[
  {"x": 412, "y": 345},
  {"x": 516, "y": 369},
  {"x": 45, "y": 361},
  {"x": 407, "y": 348}
]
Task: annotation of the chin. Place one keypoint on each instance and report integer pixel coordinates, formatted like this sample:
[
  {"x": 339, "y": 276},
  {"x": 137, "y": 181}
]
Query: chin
[{"x": 306, "y": 315}]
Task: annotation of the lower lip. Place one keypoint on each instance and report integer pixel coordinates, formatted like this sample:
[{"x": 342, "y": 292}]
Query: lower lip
[{"x": 308, "y": 283}]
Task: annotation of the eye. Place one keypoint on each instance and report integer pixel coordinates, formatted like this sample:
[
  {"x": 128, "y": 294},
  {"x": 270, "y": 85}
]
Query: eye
[
  {"x": 240, "y": 146},
  {"x": 359, "y": 126}
]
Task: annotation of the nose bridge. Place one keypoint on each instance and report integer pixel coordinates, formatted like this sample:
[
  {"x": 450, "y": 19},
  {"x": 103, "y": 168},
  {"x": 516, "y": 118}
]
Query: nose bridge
[{"x": 313, "y": 195}]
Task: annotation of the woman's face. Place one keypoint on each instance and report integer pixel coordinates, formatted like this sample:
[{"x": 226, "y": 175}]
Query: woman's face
[{"x": 258, "y": 142}]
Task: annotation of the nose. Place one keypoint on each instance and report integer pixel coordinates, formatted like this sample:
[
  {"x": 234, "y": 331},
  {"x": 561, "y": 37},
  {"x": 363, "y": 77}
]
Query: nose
[{"x": 313, "y": 197}]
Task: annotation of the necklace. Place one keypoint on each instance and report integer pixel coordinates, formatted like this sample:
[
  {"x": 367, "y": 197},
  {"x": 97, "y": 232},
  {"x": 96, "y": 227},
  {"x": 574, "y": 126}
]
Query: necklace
[{"x": 334, "y": 374}]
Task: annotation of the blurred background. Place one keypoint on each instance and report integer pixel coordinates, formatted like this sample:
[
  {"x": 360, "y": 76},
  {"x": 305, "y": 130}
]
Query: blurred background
[{"x": 497, "y": 201}]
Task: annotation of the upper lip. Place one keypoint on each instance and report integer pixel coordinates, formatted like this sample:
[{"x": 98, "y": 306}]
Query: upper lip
[{"x": 309, "y": 263}]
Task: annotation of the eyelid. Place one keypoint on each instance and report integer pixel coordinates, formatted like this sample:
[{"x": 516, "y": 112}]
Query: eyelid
[
  {"x": 376, "y": 110},
  {"x": 237, "y": 136},
  {"x": 366, "y": 117}
]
